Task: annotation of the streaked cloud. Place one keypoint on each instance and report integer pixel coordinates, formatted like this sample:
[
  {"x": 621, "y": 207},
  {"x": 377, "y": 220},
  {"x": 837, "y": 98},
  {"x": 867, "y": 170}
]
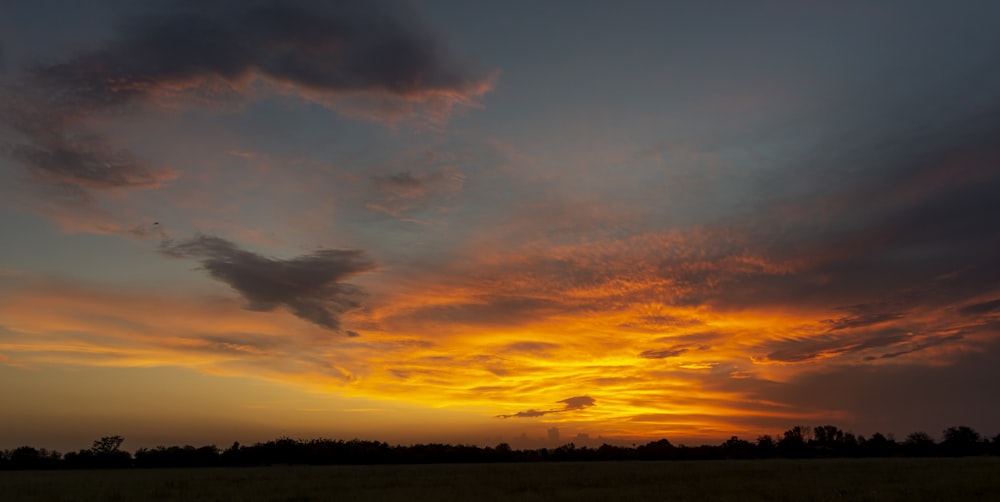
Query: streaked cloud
[{"x": 663, "y": 353}]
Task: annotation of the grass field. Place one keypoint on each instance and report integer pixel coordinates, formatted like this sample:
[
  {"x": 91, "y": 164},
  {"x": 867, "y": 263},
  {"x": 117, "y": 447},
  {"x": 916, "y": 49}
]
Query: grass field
[{"x": 771, "y": 480}]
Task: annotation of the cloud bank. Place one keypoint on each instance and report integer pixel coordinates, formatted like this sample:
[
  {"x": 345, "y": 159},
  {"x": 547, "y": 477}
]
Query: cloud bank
[{"x": 215, "y": 52}]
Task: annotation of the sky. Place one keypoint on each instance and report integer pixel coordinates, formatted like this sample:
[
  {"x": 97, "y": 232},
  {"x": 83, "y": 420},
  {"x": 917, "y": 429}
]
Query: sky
[{"x": 470, "y": 222}]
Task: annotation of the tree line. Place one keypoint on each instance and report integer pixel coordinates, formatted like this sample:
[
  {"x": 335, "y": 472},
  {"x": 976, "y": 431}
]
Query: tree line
[{"x": 825, "y": 441}]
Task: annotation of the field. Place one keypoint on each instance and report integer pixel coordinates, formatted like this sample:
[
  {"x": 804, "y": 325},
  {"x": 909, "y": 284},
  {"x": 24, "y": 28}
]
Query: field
[{"x": 771, "y": 480}]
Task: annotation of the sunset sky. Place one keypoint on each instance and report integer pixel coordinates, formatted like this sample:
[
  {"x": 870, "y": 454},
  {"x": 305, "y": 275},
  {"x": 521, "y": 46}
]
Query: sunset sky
[{"x": 474, "y": 222}]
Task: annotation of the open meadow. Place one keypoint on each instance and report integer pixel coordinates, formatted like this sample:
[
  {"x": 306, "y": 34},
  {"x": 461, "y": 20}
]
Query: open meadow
[{"x": 757, "y": 480}]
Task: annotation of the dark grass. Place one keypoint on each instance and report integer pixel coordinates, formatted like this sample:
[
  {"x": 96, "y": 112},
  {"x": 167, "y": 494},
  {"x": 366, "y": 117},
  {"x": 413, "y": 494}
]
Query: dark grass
[{"x": 757, "y": 480}]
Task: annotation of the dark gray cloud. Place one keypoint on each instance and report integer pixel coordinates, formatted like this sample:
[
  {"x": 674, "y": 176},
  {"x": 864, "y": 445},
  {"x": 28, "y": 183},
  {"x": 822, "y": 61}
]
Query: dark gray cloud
[
  {"x": 310, "y": 286},
  {"x": 978, "y": 309},
  {"x": 569, "y": 404},
  {"x": 338, "y": 47},
  {"x": 210, "y": 50},
  {"x": 328, "y": 47}
]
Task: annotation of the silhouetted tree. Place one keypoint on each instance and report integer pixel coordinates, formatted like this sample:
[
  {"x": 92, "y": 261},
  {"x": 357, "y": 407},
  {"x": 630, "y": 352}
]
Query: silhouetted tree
[
  {"x": 177, "y": 456},
  {"x": 234, "y": 456},
  {"x": 611, "y": 452},
  {"x": 765, "y": 446},
  {"x": 656, "y": 450},
  {"x": 793, "y": 443},
  {"x": 919, "y": 444},
  {"x": 848, "y": 446},
  {"x": 735, "y": 447},
  {"x": 962, "y": 441},
  {"x": 503, "y": 453},
  {"x": 107, "y": 453},
  {"x": 828, "y": 440},
  {"x": 26, "y": 457},
  {"x": 83, "y": 459},
  {"x": 797, "y": 442},
  {"x": 827, "y": 435},
  {"x": 565, "y": 452},
  {"x": 880, "y": 446}
]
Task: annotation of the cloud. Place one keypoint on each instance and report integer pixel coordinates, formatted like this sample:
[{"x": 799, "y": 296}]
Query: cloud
[
  {"x": 406, "y": 192},
  {"x": 916, "y": 347},
  {"x": 539, "y": 348},
  {"x": 816, "y": 347},
  {"x": 376, "y": 53},
  {"x": 309, "y": 286},
  {"x": 342, "y": 47},
  {"x": 526, "y": 414},
  {"x": 663, "y": 353},
  {"x": 577, "y": 403},
  {"x": 405, "y": 184},
  {"x": 48, "y": 133},
  {"x": 895, "y": 397},
  {"x": 864, "y": 315},
  {"x": 86, "y": 161},
  {"x": 880, "y": 343},
  {"x": 879, "y": 215},
  {"x": 486, "y": 310},
  {"x": 978, "y": 309},
  {"x": 570, "y": 404},
  {"x": 659, "y": 323}
]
